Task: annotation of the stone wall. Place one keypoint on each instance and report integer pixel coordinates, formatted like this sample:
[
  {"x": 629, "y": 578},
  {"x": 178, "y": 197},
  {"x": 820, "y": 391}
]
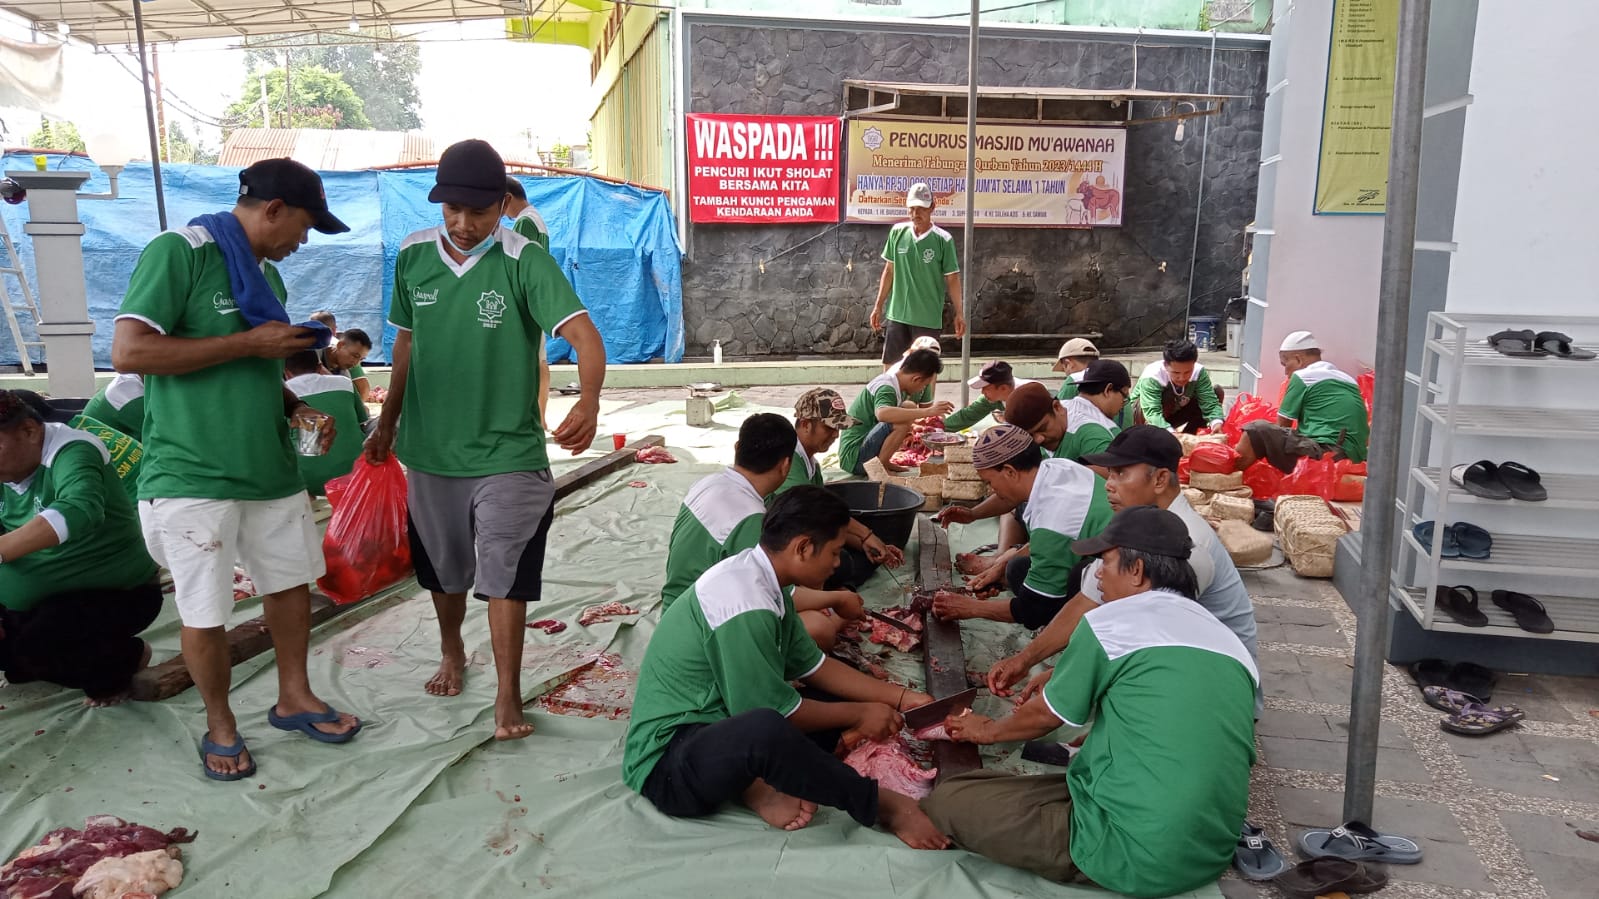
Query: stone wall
[{"x": 778, "y": 290}]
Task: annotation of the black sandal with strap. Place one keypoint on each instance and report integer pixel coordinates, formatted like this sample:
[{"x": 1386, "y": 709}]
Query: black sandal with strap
[{"x": 1460, "y": 603}]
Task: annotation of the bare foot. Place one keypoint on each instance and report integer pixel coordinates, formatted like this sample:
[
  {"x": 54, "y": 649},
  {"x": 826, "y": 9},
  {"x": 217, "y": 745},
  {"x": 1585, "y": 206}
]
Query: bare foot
[
  {"x": 905, "y": 819},
  {"x": 450, "y": 677},
  {"x": 509, "y": 723},
  {"x": 778, "y": 809},
  {"x": 105, "y": 702}
]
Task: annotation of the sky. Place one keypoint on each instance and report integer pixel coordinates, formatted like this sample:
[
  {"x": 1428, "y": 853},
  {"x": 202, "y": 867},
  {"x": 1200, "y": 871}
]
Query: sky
[{"x": 467, "y": 88}]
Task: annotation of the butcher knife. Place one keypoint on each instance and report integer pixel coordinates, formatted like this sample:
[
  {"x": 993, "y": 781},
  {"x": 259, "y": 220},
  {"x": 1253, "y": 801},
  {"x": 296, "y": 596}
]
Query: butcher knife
[
  {"x": 936, "y": 711},
  {"x": 892, "y": 621}
]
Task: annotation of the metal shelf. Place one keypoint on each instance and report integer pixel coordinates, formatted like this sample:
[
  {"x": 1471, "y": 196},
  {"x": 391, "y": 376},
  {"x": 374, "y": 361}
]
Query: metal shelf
[
  {"x": 1576, "y": 619},
  {"x": 1522, "y": 554},
  {"x": 1566, "y": 491},
  {"x": 1516, "y": 421},
  {"x": 1479, "y": 354}
]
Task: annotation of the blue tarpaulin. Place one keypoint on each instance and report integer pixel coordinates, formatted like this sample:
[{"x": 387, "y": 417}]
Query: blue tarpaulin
[{"x": 617, "y": 245}]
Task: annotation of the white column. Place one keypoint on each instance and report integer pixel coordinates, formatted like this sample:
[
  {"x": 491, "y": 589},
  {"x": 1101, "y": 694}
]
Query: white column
[{"x": 57, "y": 234}]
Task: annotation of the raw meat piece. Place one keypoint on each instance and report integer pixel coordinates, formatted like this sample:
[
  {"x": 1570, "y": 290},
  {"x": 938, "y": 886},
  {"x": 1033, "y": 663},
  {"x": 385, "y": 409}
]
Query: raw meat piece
[
  {"x": 889, "y": 635},
  {"x": 931, "y": 732},
  {"x": 55, "y": 866},
  {"x": 972, "y": 563},
  {"x": 548, "y": 625},
  {"x": 889, "y": 763},
  {"x": 147, "y": 873},
  {"x": 377, "y": 395},
  {"x": 638, "y": 483},
  {"x": 653, "y": 455},
  {"x": 604, "y": 612}
]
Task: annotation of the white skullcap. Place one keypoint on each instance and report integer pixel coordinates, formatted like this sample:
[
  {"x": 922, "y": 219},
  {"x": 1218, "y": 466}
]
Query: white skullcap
[{"x": 1299, "y": 340}]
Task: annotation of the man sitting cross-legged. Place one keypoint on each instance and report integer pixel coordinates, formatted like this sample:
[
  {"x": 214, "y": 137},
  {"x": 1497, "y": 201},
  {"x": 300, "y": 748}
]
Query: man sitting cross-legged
[
  {"x": 1153, "y": 803},
  {"x": 716, "y": 718}
]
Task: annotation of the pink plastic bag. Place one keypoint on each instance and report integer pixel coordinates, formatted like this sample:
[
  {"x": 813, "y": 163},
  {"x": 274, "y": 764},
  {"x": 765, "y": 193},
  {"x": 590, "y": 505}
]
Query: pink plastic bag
[{"x": 366, "y": 546}]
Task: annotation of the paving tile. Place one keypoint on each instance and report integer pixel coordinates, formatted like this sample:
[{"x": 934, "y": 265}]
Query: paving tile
[
  {"x": 1279, "y": 663},
  {"x": 1390, "y": 734},
  {"x": 1239, "y": 889},
  {"x": 1447, "y": 860},
  {"x": 1312, "y": 635},
  {"x": 1505, "y": 746},
  {"x": 1564, "y": 877},
  {"x": 1295, "y": 615},
  {"x": 1329, "y": 678},
  {"x": 1294, "y": 687},
  {"x": 1551, "y": 835},
  {"x": 1322, "y": 755},
  {"x": 1278, "y": 723},
  {"x": 1527, "y": 779}
]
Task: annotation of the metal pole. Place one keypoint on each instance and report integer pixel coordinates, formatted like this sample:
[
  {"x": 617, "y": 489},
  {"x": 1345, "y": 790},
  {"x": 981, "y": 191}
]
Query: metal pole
[
  {"x": 149, "y": 117},
  {"x": 967, "y": 295},
  {"x": 1393, "y": 327},
  {"x": 1199, "y": 197}
]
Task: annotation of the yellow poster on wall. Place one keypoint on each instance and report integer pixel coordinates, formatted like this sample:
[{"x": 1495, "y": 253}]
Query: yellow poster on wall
[{"x": 1352, "y": 176}]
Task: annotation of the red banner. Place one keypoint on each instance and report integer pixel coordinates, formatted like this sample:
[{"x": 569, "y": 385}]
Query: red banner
[{"x": 762, "y": 169}]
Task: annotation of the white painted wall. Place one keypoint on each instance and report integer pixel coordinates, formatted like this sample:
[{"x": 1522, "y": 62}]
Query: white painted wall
[{"x": 1527, "y": 225}]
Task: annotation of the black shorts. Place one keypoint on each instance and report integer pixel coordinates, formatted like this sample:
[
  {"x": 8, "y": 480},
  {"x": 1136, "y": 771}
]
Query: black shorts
[{"x": 898, "y": 337}]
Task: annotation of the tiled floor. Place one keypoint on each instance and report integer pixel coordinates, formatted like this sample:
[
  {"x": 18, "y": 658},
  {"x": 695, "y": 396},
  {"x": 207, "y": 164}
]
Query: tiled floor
[{"x": 1498, "y": 817}]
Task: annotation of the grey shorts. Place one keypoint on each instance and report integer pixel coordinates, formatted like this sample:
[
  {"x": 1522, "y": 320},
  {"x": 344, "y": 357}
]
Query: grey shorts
[
  {"x": 488, "y": 532},
  {"x": 1283, "y": 447}
]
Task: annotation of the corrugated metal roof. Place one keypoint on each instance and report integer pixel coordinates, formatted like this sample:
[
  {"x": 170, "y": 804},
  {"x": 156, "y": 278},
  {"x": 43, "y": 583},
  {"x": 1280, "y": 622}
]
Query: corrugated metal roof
[{"x": 325, "y": 150}]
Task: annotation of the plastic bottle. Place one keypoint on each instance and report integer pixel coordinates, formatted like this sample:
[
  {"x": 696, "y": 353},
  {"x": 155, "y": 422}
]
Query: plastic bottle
[{"x": 716, "y": 353}]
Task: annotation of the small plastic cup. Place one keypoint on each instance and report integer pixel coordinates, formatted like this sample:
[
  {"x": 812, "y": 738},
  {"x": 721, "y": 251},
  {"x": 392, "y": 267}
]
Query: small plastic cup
[
  {"x": 41, "y": 162},
  {"x": 619, "y": 440},
  {"x": 308, "y": 437}
]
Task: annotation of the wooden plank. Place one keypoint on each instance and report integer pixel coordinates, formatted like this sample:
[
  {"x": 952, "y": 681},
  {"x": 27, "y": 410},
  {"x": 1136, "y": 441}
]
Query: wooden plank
[
  {"x": 249, "y": 639},
  {"x": 941, "y": 642}
]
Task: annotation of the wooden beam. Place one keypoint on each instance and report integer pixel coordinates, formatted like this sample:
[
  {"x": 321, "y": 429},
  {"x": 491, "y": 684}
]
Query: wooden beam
[
  {"x": 249, "y": 639},
  {"x": 941, "y": 640}
]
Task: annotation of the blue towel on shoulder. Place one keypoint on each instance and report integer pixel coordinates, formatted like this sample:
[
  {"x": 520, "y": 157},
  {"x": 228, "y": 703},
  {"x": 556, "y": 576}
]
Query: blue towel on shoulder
[{"x": 251, "y": 292}]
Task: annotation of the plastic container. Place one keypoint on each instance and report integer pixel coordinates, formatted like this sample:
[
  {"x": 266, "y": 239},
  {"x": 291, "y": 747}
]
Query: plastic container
[
  {"x": 891, "y": 520},
  {"x": 1235, "y": 337},
  {"x": 1204, "y": 328},
  {"x": 716, "y": 353}
]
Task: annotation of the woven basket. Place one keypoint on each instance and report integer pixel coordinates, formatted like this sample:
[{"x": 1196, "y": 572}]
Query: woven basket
[
  {"x": 1196, "y": 498},
  {"x": 962, "y": 471},
  {"x": 960, "y": 452},
  {"x": 930, "y": 487},
  {"x": 1309, "y": 532},
  {"x": 964, "y": 490},
  {"x": 1244, "y": 492},
  {"x": 1232, "y": 508},
  {"x": 1216, "y": 483},
  {"x": 931, "y": 469},
  {"x": 1245, "y": 545}
]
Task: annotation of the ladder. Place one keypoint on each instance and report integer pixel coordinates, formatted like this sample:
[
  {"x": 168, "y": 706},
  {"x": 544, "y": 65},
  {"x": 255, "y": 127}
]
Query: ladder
[{"x": 11, "y": 265}]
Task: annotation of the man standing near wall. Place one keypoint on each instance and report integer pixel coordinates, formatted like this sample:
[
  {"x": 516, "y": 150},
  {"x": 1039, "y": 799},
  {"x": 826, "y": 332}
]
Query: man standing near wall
[{"x": 919, "y": 265}]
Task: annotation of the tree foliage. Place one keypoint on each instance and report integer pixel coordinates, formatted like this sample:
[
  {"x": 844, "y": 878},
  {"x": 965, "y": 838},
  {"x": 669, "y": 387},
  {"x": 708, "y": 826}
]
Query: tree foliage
[
  {"x": 381, "y": 70},
  {"x": 181, "y": 148},
  {"x": 321, "y": 99},
  {"x": 61, "y": 136}
]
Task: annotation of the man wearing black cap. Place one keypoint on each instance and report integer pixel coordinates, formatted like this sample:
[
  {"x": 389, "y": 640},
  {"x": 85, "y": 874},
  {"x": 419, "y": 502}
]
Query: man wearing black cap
[
  {"x": 1170, "y": 693},
  {"x": 203, "y": 321},
  {"x": 995, "y": 383},
  {"x": 1141, "y": 466},
  {"x": 472, "y": 301}
]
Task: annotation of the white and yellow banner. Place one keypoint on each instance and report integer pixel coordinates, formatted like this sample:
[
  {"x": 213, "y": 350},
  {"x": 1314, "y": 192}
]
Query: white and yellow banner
[{"x": 1028, "y": 176}]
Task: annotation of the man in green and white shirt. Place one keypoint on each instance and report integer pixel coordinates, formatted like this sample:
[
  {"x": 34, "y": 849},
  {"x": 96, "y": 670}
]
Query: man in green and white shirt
[
  {"x": 884, "y": 411},
  {"x": 120, "y": 404},
  {"x": 471, "y": 303},
  {"x": 919, "y": 266},
  {"x": 1325, "y": 402},
  {"x": 1073, "y": 359},
  {"x": 1176, "y": 393},
  {"x": 1064, "y": 502},
  {"x": 334, "y": 396},
  {"x": 1082, "y": 425},
  {"x": 220, "y": 485},
  {"x": 716, "y": 718},
  {"x": 995, "y": 383},
  {"x": 1153, "y": 803},
  {"x": 76, "y": 584}
]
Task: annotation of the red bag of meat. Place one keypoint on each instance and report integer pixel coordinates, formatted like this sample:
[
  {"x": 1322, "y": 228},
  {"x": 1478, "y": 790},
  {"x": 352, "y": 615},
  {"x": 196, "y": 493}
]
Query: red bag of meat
[
  {"x": 1311, "y": 477},
  {"x": 1213, "y": 458},
  {"x": 1368, "y": 388},
  {"x": 1246, "y": 408},
  {"x": 366, "y": 545},
  {"x": 1182, "y": 471},
  {"x": 1349, "y": 482},
  {"x": 1264, "y": 480}
]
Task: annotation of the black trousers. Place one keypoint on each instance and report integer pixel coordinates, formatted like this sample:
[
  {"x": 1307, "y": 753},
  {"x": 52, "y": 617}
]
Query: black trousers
[
  {"x": 708, "y": 765},
  {"x": 84, "y": 639},
  {"x": 1030, "y": 608},
  {"x": 853, "y": 570}
]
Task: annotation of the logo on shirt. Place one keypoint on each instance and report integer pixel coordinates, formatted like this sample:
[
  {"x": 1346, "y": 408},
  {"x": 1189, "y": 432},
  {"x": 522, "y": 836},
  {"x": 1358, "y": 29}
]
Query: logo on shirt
[
  {"x": 420, "y": 297},
  {"x": 927, "y": 255},
  {"x": 38, "y": 505},
  {"x": 223, "y": 303},
  {"x": 490, "y": 309}
]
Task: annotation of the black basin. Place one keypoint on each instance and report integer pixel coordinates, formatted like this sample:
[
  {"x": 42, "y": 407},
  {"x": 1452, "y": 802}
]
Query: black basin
[{"x": 893, "y": 519}]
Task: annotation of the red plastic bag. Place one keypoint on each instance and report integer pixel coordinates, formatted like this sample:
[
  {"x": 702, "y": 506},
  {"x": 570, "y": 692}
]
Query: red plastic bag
[
  {"x": 1246, "y": 408},
  {"x": 1264, "y": 480},
  {"x": 1349, "y": 484},
  {"x": 366, "y": 545},
  {"x": 1368, "y": 388},
  {"x": 1182, "y": 470},
  {"x": 1213, "y": 458},
  {"x": 1341, "y": 481}
]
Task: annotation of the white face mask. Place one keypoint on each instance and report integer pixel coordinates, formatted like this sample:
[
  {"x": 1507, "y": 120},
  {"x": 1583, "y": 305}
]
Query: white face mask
[{"x": 481, "y": 248}]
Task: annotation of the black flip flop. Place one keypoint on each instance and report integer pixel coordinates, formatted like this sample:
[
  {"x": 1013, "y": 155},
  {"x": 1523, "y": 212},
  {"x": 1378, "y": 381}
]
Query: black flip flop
[
  {"x": 1522, "y": 482},
  {"x": 1555, "y": 343},
  {"x": 1322, "y": 876},
  {"x": 1517, "y": 343},
  {"x": 1431, "y": 672},
  {"x": 1460, "y": 603},
  {"x": 1255, "y": 857},
  {"x": 1473, "y": 680},
  {"x": 1477, "y": 720},
  {"x": 1529, "y": 613},
  {"x": 1479, "y": 479}
]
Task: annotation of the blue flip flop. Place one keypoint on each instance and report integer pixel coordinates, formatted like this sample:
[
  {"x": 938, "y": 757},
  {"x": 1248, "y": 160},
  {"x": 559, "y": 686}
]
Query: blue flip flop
[
  {"x": 207, "y": 747},
  {"x": 1451, "y": 547},
  {"x": 304, "y": 722},
  {"x": 1358, "y": 843},
  {"x": 1473, "y": 541}
]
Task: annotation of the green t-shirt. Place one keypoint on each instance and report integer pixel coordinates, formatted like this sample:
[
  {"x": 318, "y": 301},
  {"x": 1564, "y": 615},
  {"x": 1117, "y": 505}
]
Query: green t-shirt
[
  {"x": 879, "y": 392},
  {"x": 127, "y": 454},
  {"x": 720, "y": 516},
  {"x": 1155, "y": 380},
  {"x": 1327, "y": 403},
  {"x": 220, "y": 432},
  {"x": 980, "y": 408},
  {"x": 357, "y": 372},
  {"x": 530, "y": 225},
  {"x": 76, "y": 489},
  {"x": 802, "y": 470},
  {"x": 1161, "y": 785},
  {"x": 916, "y": 296},
  {"x": 333, "y": 395},
  {"x": 120, "y": 404},
  {"x": 730, "y": 645},
  {"x": 1088, "y": 430},
  {"x": 471, "y": 397},
  {"x": 1067, "y": 503},
  {"x": 1068, "y": 387}
]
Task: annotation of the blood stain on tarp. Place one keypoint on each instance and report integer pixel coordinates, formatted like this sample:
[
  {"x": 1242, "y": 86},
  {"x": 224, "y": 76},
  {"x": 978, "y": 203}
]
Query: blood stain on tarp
[
  {"x": 602, "y": 689},
  {"x": 363, "y": 657},
  {"x": 38, "y": 733}
]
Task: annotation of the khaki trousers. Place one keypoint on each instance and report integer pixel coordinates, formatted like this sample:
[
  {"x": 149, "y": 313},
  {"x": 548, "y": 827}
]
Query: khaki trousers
[{"x": 1019, "y": 820}]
